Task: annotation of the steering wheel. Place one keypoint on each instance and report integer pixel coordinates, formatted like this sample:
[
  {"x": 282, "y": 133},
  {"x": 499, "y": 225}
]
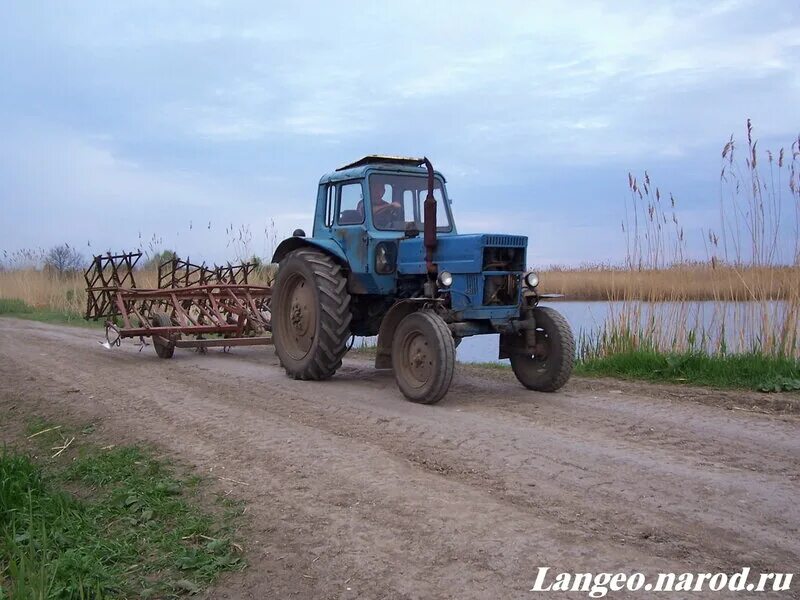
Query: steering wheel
[{"x": 392, "y": 210}]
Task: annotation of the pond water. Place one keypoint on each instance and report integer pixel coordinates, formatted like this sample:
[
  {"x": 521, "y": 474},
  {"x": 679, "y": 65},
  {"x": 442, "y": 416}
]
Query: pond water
[
  {"x": 739, "y": 324},
  {"x": 582, "y": 316}
]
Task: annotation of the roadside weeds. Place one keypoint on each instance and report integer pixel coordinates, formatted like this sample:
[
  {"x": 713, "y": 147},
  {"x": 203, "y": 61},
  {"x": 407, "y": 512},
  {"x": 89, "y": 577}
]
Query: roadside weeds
[{"x": 81, "y": 519}]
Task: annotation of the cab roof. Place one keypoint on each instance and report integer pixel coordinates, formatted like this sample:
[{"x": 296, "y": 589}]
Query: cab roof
[
  {"x": 379, "y": 159},
  {"x": 378, "y": 162}
]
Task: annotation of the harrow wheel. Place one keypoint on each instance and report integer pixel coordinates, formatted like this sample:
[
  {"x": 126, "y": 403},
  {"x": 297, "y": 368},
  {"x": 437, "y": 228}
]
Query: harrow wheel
[
  {"x": 423, "y": 357},
  {"x": 165, "y": 348},
  {"x": 310, "y": 315},
  {"x": 547, "y": 366}
]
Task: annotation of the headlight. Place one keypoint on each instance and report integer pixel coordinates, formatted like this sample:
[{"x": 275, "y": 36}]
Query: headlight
[
  {"x": 445, "y": 279},
  {"x": 531, "y": 279},
  {"x": 385, "y": 258}
]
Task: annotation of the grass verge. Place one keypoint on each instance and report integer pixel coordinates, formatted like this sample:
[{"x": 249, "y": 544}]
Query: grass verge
[
  {"x": 739, "y": 371},
  {"x": 105, "y": 522},
  {"x": 10, "y": 307}
]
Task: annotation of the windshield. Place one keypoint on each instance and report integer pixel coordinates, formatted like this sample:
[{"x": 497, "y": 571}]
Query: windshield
[{"x": 397, "y": 202}]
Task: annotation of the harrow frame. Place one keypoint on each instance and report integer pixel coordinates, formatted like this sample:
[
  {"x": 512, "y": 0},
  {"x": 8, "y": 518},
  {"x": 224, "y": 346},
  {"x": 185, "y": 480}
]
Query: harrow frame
[{"x": 197, "y": 300}]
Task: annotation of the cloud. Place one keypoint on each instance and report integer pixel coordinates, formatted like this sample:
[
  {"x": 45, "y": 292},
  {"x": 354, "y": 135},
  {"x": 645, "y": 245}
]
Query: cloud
[{"x": 66, "y": 188}]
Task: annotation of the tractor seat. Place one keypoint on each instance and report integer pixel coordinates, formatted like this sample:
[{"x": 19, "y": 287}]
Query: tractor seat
[{"x": 352, "y": 217}]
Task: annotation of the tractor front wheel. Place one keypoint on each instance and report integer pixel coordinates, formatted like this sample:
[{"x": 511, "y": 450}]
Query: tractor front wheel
[
  {"x": 548, "y": 365},
  {"x": 310, "y": 315},
  {"x": 423, "y": 357}
]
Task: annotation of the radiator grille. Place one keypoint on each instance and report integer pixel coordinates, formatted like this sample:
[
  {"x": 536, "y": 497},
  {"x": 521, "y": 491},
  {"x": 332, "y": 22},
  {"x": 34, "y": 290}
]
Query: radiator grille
[
  {"x": 514, "y": 241},
  {"x": 472, "y": 284}
]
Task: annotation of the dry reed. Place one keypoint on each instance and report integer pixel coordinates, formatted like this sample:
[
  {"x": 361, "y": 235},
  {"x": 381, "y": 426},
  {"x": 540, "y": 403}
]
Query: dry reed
[{"x": 691, "y": 281}]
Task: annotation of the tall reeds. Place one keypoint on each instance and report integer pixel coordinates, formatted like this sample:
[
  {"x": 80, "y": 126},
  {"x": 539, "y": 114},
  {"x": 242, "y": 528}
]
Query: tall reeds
[
  {"x": 689, "y": 280},
  {"x": 751, "y": 275}
]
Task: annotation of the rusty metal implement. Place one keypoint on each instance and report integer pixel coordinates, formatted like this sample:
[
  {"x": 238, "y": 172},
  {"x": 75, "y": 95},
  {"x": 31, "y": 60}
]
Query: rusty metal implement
[{"x": 190, "y": 303}]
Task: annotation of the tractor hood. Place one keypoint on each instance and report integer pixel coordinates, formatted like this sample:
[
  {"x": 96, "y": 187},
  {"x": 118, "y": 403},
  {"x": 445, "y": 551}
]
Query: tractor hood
[{"x": 465, "y": 253}]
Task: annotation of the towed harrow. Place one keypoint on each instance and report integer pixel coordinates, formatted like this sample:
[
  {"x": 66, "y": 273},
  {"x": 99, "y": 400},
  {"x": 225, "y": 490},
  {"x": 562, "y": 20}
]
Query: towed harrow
[{"x": 194, "y": 306}]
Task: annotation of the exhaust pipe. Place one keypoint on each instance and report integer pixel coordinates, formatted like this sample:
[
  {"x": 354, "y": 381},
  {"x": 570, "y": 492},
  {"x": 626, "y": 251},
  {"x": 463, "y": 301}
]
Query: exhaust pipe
[{"x": 429, "y": 212}]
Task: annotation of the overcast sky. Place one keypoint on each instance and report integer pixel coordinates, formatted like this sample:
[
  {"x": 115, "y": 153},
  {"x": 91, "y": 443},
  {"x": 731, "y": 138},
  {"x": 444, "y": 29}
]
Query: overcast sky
[{"x": 174, "y": 121}]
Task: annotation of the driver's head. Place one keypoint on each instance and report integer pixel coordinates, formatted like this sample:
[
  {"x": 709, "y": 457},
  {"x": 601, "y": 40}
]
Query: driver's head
[{"x": 376, "y": 191}]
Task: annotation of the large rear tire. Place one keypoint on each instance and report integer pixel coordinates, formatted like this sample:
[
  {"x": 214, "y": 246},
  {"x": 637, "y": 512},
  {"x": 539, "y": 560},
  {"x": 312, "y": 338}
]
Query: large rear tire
[
  {"x": 550, "y": 364},
  {"x": 310, "y": 315},
  {"x": 423, "y": 357}
]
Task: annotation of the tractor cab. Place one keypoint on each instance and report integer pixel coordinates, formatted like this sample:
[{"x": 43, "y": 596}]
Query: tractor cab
[
  {"x": 381, "y": 193},
  {"x": 367, "y": 208}
]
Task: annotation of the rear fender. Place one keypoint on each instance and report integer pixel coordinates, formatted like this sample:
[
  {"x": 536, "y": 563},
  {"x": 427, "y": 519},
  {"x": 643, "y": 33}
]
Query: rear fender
[{"x": 293, "y": 243}]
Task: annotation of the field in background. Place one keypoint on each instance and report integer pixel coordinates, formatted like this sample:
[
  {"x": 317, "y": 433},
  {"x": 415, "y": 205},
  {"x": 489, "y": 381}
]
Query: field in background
[
  {"x": 66, "y": 293},
  {"x": 41, "y": 289}
]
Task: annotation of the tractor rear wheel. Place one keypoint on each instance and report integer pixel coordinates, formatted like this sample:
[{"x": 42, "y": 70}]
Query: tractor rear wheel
[
  {"x": 423, "y": 357},
  {"x": 547, "y": 366},
  {"x": 310, "y": 315},
  {"x": 165, "y": 347}
]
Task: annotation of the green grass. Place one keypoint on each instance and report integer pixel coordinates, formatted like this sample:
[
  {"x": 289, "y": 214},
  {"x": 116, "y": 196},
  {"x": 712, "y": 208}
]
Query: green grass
[
  {"x": 740, "y": 371},
  {"x": 106, "y": 523},
  {"x": 365, "y": 350},
  {"x": 10, "y": 307},
  {"x": 749, "y": 371},
  {"x": 494, "y": 366}
]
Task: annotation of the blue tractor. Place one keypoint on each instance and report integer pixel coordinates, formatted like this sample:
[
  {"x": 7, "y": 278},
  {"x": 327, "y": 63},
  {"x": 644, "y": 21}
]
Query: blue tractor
[{"x": 385, "y": 259}]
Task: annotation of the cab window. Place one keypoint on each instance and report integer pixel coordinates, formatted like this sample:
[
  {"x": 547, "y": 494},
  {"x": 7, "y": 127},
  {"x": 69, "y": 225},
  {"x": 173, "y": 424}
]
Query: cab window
[
  {"x": 351, "y": 204},
  {"x": 330, "y": 203}
]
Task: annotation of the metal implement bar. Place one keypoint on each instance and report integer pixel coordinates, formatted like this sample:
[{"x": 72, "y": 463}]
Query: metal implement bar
[
  {"x": 224, "y": 342},
  {"x": 177, "y": 273},
  {"x": 166, "y": 332},
  {"x": 191, "y": 293}
]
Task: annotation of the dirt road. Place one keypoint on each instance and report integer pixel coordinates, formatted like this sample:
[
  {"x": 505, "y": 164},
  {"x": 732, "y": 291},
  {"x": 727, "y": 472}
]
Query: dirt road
[{"x": 354, "y": 492}]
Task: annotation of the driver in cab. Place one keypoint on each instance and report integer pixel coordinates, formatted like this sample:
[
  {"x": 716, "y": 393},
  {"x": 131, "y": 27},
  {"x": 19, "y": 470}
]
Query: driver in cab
[{"x": 383, "y": 212}]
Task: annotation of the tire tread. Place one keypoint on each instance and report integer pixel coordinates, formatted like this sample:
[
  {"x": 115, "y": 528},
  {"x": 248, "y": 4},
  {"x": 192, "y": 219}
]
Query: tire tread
[
  {"x": 334, "y": 316},
  {"x": 566, "y": 361},
  {"x": 444, "y": 343}
]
